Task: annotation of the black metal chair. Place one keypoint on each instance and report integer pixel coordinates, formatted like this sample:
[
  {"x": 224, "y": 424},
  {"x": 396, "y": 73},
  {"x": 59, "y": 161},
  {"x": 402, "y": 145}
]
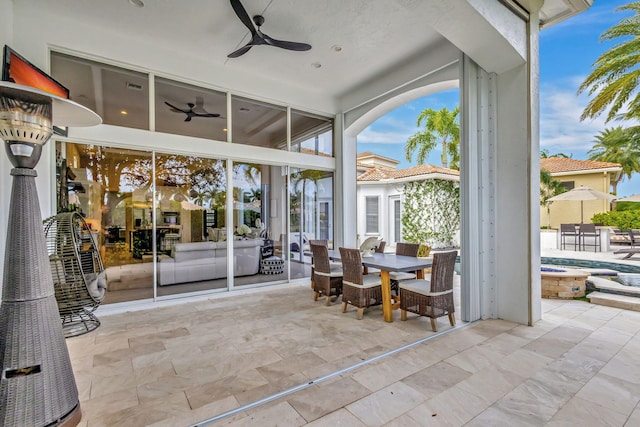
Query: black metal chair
[
  {"x": 569, "y": 230},
  {"x": 589, "y": 236}
]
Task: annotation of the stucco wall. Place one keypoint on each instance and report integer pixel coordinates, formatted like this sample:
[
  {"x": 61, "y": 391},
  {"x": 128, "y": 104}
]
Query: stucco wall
[{"x": 567, "y": 212}]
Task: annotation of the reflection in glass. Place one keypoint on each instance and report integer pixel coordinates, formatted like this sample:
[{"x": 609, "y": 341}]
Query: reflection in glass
[
  {"x": 111, "y": 188},
  {"x": 190, "y": 224},
  {"x": 311, "y": 207},
  {"x": 118, "y": 95},
  {"x": 184, "y": 109},
  {"x": 258, "y": 123},
  {"x": 311, "y": 134}
]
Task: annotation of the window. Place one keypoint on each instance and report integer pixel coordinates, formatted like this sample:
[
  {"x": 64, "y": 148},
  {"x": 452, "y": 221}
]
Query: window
[
  {"x": 258, "y": 123},
  {"x": 184, "y": 109},
  {"x": 118, "y": 95},
  {"x": 372, "y": 215},
  {"x": 569, "y": 185},
  {"x": 311, "y": 134},
  {"x": 397, "y": 216}
]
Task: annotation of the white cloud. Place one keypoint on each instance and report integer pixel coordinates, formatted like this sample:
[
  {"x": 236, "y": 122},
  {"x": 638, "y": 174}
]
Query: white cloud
[
  {"x": 387, "y": 136},
  {"x": 560, "y": 126}
]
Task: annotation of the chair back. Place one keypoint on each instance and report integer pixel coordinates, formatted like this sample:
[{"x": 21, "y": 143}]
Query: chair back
[
  {"x": 442, "y": 271},
  {"x": 567, "y": 228},
  {"x": 351, "y": 265},
  {"x": 588, "y": 228},
  {"x": 407, "y": 249},
  {"x": 319, "y": 242},
  {"x": 320, "y": 258},
  {"x": 380, "y": 248}
]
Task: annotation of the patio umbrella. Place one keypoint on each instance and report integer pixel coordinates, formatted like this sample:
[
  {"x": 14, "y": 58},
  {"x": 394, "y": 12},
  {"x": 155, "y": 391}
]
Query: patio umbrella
[
  {"x": 634, "y": 198},
  {"x": 582, "y": 193}
]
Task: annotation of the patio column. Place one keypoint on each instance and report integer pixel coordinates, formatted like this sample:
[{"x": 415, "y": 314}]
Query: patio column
[{"x": 500, "y": 189}]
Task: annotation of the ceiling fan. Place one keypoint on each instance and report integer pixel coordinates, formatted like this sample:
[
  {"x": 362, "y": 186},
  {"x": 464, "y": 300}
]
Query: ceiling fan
[
  {"x": 257, "y": 36},
  {"x": 195, "y": 110}
]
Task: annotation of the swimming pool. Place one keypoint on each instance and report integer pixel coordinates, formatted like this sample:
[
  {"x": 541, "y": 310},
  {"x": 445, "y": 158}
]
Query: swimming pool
[{"x": 569, "y": 262}]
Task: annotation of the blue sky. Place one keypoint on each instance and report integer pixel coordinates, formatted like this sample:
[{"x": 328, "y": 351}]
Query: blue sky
[{"x": 567, "y": 51}]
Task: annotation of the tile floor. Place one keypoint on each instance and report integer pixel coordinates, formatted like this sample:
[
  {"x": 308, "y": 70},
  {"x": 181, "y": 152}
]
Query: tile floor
[{"x": 184, "y": 363}]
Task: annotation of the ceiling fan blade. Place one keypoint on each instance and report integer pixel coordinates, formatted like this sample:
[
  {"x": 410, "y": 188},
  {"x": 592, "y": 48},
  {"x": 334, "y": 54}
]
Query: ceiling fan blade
[
  {"x": 208, "y": 115},
  {"x": 244, "y": 49},
  {"x": 243, "y": 15},
  {"x": 286, "y": 44},
  {"x": 175, "y": 109}
]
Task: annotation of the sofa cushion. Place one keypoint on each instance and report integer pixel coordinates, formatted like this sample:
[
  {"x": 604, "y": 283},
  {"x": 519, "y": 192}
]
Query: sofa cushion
[{"x": 193, "y": 250}]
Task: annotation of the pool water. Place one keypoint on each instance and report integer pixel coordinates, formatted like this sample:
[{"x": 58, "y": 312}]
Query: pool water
[{"x": 568, "y": 262}]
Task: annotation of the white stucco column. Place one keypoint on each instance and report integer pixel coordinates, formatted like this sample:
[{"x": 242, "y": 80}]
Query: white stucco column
[
  {"x": 500, "y": 189},
  {"x": 345, "y": 199}
]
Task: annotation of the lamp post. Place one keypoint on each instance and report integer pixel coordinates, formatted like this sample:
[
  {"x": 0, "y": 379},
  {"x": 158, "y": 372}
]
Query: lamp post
[{"x": 37, "y": 386}]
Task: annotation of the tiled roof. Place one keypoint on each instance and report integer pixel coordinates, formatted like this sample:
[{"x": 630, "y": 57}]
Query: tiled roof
[
  {"x": 378, "y": 174},
  {"x": 559, "y": 164}
]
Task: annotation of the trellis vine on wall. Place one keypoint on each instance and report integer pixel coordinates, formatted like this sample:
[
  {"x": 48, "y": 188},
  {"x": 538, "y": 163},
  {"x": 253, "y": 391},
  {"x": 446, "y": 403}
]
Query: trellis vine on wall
[{"x": 431, "y": 212}]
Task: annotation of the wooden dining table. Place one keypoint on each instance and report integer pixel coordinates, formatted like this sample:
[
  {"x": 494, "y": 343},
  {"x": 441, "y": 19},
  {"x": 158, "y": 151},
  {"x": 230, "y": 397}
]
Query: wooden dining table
[{"x": 387, "y": 263}]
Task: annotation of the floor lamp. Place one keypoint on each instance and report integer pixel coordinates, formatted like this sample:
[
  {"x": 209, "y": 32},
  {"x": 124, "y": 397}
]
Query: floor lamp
[{"x": 37, "y": 386}]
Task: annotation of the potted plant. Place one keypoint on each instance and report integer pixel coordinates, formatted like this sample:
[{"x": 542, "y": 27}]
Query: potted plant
[{"x": 424, "y": 250}]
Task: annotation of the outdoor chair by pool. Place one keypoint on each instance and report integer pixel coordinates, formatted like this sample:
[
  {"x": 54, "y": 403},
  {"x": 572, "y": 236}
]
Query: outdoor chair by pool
[
  {"x": 569, "y": 231},
  {"x": 589, "y": 236},
  {"x": 406, "y": 249},
  {"x": 359, "y": 290},
  {"x": 431, "y": 298},
  {"x": 327, "y": 277}
]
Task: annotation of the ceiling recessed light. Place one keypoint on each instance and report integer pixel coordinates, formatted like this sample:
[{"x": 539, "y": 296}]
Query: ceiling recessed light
[
  {"x": 136, "y": 3},
  {"x": 336, "y": 48},
  {"x": 224, "y": 130},
  {"x": 123, "y": 112},
  {"x": 316, "y": 65}
]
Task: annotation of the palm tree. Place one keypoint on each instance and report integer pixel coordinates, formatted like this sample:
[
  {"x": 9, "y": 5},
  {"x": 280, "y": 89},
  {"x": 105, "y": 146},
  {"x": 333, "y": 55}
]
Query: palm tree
[
  {"x": 439, "y": 126},
  {"x": 545, "y": 154},
  {"x": 616, "y": 76},
  {"x": 617, "y": 145},
  {"x": 549, "y": 187}
]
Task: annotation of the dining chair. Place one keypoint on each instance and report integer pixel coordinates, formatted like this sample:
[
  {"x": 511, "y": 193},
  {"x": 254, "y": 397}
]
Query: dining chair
[
  {"x": 380, "y": 248},
  {"x": 327, "y": 277},
  {"x": 313, "y": 267},
  {"x": 406, "y": 249},
  {"x": 588, "y": 232},
  {"x": 432, "y": 297},
  {"x": 569, "y": 230},
  {"x": 358, "y": 289}
]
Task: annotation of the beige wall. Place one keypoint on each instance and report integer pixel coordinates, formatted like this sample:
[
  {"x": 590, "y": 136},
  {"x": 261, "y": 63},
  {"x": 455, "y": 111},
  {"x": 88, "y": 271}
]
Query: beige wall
[{"x": 563, "y": 212}]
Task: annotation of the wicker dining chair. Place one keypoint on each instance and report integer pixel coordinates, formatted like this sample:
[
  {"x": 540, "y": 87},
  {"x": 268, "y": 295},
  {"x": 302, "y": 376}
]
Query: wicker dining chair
[
  {"x": 327, "y": 277},
  {"x": 359, "y": 290},
  {"x": 432, "y": 298},
  {"x": 406, "y": 249},
  {"x": 313, "y": 267}
]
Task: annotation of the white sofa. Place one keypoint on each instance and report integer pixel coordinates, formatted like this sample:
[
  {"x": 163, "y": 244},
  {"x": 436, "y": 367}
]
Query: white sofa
[{"x": 192, "y": 262}]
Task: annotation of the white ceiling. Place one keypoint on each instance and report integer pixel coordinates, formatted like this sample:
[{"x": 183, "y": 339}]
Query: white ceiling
[{"x": 374, "y": 35}]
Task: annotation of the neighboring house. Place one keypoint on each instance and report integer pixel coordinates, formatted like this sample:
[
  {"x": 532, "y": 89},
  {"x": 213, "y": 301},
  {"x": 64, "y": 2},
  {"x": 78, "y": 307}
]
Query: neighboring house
[
  {"x": 573, "y": 173},
  {"x": 379, "y": 193}
]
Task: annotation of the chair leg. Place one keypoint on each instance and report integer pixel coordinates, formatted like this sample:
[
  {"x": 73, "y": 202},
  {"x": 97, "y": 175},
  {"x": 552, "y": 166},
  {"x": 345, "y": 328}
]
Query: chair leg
[
  {"x": 434, "y": 324},
  {"x": 452, "y": 319},
  {"x": 316, "y": 295},
  {"x": 403, "y": 314},
  {"x": 328, "y": 300},
  {"x": 360, "y": 313},
  {"x": 344, "y": 306}
]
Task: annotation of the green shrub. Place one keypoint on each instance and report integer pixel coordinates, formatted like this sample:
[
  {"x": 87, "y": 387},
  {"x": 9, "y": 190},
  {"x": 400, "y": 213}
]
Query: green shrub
[
  {"x": 624, "y": 220},
  {"x": 627, "y": 206}
]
